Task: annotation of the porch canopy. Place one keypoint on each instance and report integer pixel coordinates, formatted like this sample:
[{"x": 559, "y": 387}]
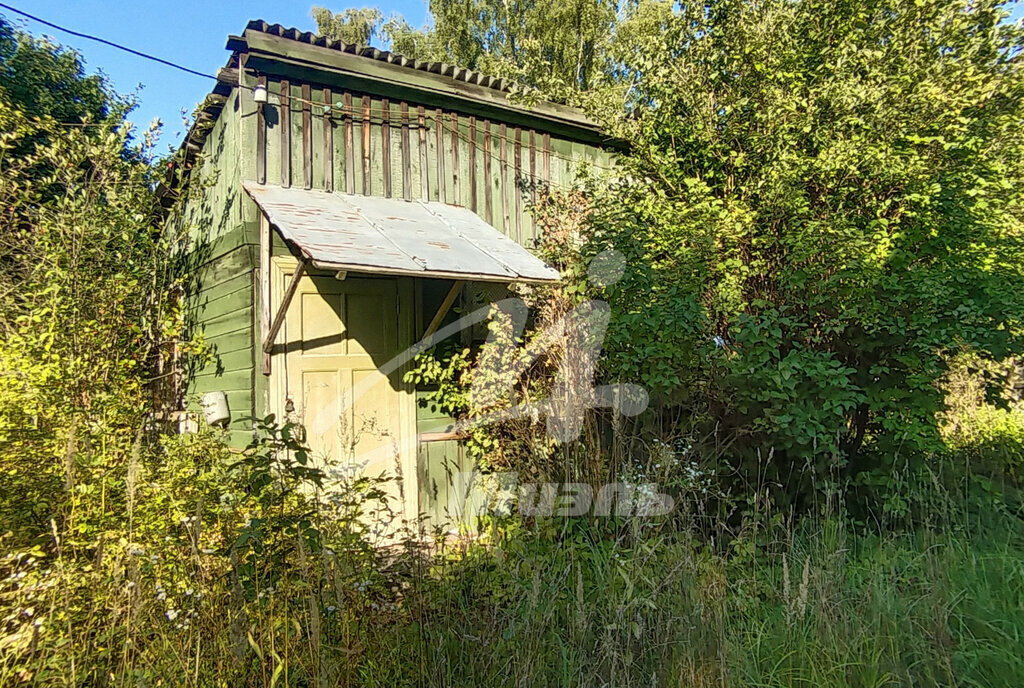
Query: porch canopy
[{"x": 389, "y": 236}]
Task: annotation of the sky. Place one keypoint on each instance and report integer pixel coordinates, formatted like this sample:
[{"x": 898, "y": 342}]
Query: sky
[{"x": 187, "y": 32}]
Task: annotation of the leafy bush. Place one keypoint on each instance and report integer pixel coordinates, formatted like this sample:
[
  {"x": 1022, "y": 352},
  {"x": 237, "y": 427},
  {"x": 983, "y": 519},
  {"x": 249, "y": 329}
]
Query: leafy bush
[{"x": 823, "y": 204}]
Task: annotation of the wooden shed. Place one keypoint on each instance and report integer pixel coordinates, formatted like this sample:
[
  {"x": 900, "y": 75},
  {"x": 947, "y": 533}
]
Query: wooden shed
[{"x": 339, "y": 199}]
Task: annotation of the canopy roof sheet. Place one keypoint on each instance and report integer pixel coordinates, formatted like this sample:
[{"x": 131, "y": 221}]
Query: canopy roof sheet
[{"x": 391, "y": 236}]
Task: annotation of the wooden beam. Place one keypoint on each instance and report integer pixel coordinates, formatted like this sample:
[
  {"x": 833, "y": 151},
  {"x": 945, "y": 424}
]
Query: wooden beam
[
  {"x": 307, "y": 137},
  {"x": 366, "y": 145},
  {"x": 443, "y": 309},
  {"x": 456, "y": 195},
  {"x": 439, "y": 153},
  {"x": 282, "y": 312},
  {"x": 285, "y": 122},
  {"x": 385, "y": 151},
  {"x": 328, "y": 140},
  {"x": 266, "y": 237},
  {"x": 503, "y": 157},
  {"x": 261, "y": 136},
  {"x": 350, "y": 158},
  {"x": 406, "y": 151},
  {"x": 488, "y": 190},
  {"x": 472, "y": 164},
  {"x": 421, "y": 122}
]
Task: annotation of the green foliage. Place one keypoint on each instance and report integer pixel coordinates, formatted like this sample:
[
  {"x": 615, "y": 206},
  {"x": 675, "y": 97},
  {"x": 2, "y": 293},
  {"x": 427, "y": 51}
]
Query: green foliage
[
  {"x": 356, "y": 26},
  {"x": 45, "y": 80},
  {"x": 557, "y": 47},
  {"x": 823, "y": 203}
]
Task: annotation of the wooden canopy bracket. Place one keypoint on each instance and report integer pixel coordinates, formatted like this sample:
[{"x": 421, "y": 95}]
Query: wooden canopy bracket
[
  {"x": 282, "y": 311},
  {"x": 443, "y": 309}
]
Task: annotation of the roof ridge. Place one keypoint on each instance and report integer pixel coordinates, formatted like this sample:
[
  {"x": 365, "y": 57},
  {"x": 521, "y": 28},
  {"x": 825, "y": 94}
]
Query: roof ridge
[{"x": 465, "y": 74}]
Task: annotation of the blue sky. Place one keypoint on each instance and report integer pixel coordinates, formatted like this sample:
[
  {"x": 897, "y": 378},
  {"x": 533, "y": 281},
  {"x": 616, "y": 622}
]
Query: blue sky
[{"x": 187, "y": 32}]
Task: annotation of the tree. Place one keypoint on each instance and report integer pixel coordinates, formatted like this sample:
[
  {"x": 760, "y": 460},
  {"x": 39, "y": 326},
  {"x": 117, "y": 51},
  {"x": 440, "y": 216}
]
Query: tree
[
  {"x": 556, "y": 46},
  {"x": 44, "y": 79},
  {"x": 824, "y": 202},
  {"x": 357, "y": 26}
]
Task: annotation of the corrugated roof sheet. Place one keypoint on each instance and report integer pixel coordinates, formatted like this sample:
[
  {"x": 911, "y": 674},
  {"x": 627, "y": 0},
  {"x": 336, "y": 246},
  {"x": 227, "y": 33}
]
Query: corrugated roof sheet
[
  {"x": 339, "y": 231},
  {"x": 442, "y": 68}
]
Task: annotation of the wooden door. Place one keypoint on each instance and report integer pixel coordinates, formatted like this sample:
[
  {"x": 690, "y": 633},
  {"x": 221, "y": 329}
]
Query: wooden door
[{"x": 338, "y": 338}]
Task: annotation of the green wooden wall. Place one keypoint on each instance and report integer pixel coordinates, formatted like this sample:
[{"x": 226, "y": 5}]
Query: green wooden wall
[{"x": 221, "y": 257}]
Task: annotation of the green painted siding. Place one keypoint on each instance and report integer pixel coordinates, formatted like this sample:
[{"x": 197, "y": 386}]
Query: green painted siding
[{"x": 219, "y": 301}]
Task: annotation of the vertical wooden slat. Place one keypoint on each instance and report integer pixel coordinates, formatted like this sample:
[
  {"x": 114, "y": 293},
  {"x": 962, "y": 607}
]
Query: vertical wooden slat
[
  {"x": 403, "y": 110},
  {"x": 366, "y": 145},
  {"x": 488, "y": 194},
  {"x": 350, "y": 157},
  {"x": 472, "y": 163},
  {"x": 517, "y": 180},
  {"x": 503, "y": 132},
  {"x": 533, "y": 166},
  {"x": 457, "y": 197},
  {"x": 328, "y": 141},
  {"x": 261, "y": 137},
  {"x": 421, "y": 121},
  {"x": 307, "y": 137},
  {"x": 264, "y": 289},
  {"x": 385, "y": 133},
  {"x": 547, "y": 158},
  {"x": 286, "y": 134},
  {"x": 441, "y": 179}
]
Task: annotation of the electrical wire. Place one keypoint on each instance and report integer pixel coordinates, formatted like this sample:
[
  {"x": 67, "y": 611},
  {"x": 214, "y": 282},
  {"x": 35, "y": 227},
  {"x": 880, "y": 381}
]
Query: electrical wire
[
  {"x": 104, "y": 41},
  {"x": 356, "y": 113}
]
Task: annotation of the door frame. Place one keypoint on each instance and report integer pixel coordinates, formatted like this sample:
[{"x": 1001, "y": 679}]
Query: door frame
[{"x": 281, "y": 270}]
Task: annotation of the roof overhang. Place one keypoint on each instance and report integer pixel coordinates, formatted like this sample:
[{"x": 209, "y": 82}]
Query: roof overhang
[
  {"x": 273, "y": 49},
  {"x": 388, "y": 236}
]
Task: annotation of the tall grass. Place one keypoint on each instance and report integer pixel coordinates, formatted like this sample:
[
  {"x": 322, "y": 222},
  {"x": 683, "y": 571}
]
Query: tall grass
[{"x": 820, "y": 601}]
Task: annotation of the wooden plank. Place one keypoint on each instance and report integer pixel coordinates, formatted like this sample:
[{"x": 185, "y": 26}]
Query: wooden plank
[
  {"x": 421, "y": 120},
  {"x": 503, "y": 163},
  {"x": 209, "y": 295},
  {"x": 282, "y": 311},
  {"x": 307, "y": 137},
  {"x": 442, "y": 180},
  {"x": 286, "y": 134},
  {"x": 533, "y": 166},
  {"x": 547, "y": 158},
  {"x": 234, "y": 321},
  {"x": 261, "y": 136},
  {"x": 366, "y": 145},
  {"x": 264, "y": 284},
  {"x": 443, "y": 309},
  {"x": 472, "y": 164},
  {"x": 456, "y": 196},
  {"x": 488, "y": 201},
  {"x": 328, "y": 141},
  {"x": 406, "y": 153},
  {"x": 517, "y": 180},
  {"x": 385, "y": 138},
  {"x": 350, "y": 161}
]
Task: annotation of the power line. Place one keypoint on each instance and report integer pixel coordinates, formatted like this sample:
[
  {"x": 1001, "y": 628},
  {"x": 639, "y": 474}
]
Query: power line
[
  {"x": 353, "y": 112},
  {"x": 106, "y": 42}
]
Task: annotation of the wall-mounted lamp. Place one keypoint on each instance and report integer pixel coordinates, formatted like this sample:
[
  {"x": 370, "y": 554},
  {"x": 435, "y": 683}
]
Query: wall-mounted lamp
[{"x": 259, "y": 93}]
